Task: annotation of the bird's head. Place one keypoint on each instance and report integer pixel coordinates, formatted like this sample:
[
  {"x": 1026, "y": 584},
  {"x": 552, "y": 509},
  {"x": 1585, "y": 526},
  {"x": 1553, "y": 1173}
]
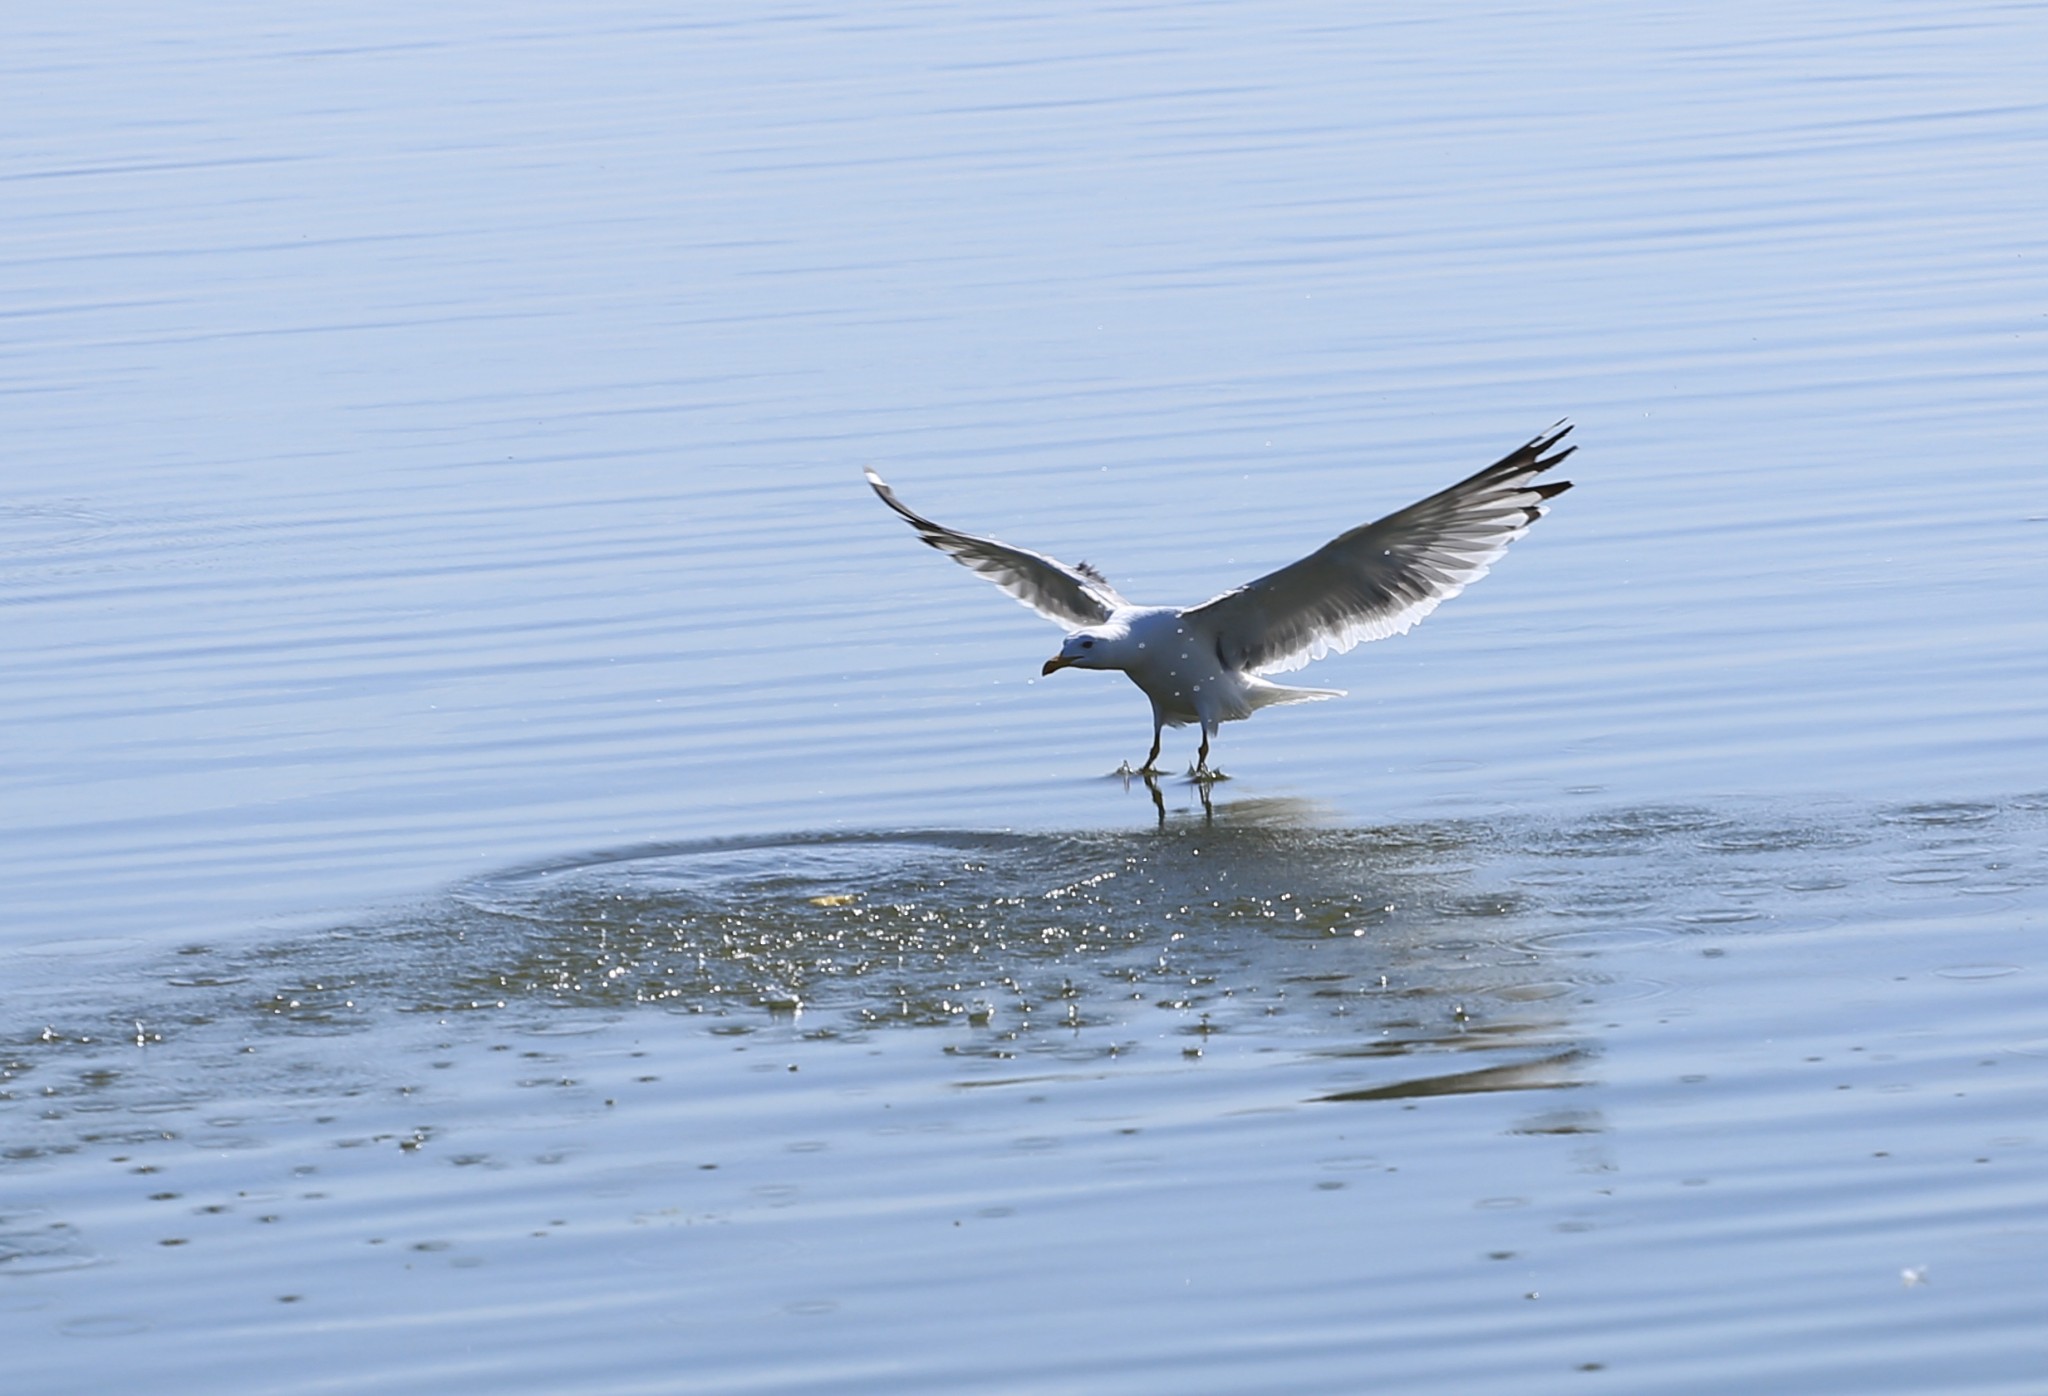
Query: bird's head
[{"x": 1085, "y": 649}]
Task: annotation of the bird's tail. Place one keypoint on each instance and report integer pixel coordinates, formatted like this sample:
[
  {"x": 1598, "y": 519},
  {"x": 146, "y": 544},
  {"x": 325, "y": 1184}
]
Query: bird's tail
[{"x": 1261, "y": 694}]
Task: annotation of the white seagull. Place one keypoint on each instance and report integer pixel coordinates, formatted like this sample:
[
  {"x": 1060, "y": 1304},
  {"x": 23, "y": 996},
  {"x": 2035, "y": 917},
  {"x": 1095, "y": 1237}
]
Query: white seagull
[{"x": 1203, "y": 663}]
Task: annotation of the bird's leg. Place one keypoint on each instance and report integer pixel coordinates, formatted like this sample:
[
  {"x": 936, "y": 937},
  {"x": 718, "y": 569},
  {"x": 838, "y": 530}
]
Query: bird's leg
[
  {"x": 1151, "y": 766},
  {"x": 1201, "y": 771}
]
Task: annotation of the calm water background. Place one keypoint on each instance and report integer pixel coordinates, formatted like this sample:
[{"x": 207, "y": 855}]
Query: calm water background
[{"x": 520, "y": 874}]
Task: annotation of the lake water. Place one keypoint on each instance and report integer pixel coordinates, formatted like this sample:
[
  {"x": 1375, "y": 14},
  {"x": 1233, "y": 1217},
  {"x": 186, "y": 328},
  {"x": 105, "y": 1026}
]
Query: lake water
[{"x": 521, "y": 875}]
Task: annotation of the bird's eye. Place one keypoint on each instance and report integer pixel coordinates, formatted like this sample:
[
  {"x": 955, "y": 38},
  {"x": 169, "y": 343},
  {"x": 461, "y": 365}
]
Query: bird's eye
[{"x": 1087, "y": 644}]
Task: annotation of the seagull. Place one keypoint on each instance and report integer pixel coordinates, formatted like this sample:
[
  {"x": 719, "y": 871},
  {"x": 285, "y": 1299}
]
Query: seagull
[{"x": 1205, "y": 664}]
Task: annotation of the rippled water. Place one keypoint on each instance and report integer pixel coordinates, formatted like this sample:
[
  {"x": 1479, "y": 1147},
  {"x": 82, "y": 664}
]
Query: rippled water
[
  {"x": 520, "y": 872},
  {"x": 1456, "y": 1102}
]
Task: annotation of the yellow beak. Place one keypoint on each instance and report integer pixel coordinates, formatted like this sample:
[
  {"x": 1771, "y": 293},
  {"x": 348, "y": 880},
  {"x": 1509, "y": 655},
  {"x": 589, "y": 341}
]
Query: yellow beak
[{"x": 1058, "y": 661}]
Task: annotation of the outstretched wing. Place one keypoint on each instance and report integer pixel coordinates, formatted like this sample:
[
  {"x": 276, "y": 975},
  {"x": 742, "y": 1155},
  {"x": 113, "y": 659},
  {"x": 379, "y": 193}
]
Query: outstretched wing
[
  {"x": 1073, "y": 596},
  {"x": 1382, "y": 578}
]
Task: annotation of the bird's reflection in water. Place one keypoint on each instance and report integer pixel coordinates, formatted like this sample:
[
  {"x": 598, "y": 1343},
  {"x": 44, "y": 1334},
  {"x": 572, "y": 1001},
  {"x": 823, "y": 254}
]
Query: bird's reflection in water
[
  {"x": 1202, "y": 790},
  {"x": 1271, "y": 811}
]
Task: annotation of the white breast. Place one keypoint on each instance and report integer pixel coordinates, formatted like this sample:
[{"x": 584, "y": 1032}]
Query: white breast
[{"x": 1180, "y": 672}]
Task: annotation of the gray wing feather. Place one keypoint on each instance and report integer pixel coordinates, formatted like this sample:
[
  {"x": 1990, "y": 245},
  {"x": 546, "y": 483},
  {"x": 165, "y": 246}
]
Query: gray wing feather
[
  {"x": 1073, "y": 596},
  {"x": 1382, "y": 578}
]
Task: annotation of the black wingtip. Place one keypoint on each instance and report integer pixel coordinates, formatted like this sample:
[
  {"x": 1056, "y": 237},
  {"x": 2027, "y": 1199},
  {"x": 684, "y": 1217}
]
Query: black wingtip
[
  {"x": 1544, "y": 440},
  {"x": 923, "y": 525},
  {"x": 1526, "y": 461},
  {"x": 1531, "y": 461}
]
